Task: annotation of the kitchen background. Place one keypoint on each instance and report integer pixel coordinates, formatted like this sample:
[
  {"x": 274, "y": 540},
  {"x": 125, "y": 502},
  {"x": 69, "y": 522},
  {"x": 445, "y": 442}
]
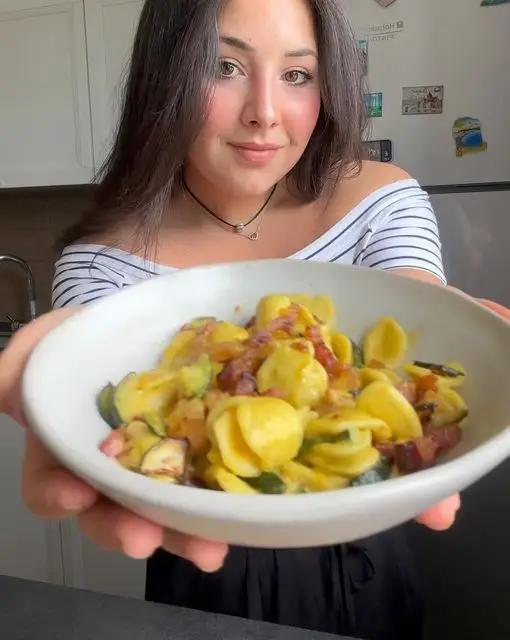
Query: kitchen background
[{"x": 61, "y": 64}]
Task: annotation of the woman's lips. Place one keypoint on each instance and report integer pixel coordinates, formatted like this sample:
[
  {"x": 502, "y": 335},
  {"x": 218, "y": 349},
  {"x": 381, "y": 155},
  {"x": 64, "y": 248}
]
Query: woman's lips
[{"x": 256, "y": 154}]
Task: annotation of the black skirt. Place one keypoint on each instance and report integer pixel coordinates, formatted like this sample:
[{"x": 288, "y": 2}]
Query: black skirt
[{"x": 366, "y": 590}]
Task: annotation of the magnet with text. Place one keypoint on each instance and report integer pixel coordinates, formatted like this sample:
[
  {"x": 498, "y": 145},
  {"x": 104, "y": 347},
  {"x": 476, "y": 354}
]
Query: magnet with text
[
  {"x": 422, "y": 100},
  {"x": 467, "y": 133},
  {"x": 492, "y": 3}
]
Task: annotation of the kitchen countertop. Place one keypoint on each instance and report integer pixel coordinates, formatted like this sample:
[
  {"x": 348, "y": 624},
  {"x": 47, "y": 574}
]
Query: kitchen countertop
[{"x": 38, "y": 611}]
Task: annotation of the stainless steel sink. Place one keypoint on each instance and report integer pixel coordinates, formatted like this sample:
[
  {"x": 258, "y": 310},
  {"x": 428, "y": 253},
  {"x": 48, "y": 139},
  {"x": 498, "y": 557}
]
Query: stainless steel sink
[
  {"x": 8, "y": 328},
  {"x": 4, "y": 339}
]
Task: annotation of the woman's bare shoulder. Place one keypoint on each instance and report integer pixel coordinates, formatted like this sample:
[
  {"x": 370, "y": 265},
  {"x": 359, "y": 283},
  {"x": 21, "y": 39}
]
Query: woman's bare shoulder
[
  {"x": 358, "y": 185},
  {"x": 119, "y": 239},
  {"x": 373, "y": 176}
]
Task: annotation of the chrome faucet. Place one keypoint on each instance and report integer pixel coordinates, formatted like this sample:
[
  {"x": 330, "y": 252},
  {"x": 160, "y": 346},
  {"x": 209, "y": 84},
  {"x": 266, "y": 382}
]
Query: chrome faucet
[{"x": 30, "y": 287}]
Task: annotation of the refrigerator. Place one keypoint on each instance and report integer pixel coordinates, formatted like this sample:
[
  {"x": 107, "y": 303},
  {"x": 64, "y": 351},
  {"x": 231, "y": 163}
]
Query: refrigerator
[{"x": 438, "y": 75}]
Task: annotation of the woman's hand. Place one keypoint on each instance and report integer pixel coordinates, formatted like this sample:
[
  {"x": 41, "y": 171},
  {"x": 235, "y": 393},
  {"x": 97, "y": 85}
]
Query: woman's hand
[
  {"x": 51, "y": 491},
  {"x": 442, "y": 516}
]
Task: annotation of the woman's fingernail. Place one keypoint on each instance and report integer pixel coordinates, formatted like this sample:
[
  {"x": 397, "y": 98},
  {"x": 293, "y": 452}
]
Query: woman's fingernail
[
  {"x": 136, "y": 552},
  {"x": 209, "y": 566}
]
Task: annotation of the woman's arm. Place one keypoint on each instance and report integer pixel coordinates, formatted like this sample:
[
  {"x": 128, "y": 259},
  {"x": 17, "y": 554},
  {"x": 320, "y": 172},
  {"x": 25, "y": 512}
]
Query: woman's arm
[{"x": 418, "y": 274}]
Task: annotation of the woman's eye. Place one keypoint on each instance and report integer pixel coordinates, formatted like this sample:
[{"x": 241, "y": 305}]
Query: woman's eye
[
  {"x": 227, "y": 69},
  {"x": 297, "y": 77}
]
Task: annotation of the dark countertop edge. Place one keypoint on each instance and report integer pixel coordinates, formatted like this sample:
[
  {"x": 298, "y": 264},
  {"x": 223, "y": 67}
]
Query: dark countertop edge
[
  {"x": 30, "y": 609},
  {"x": 468, "y": 188}
]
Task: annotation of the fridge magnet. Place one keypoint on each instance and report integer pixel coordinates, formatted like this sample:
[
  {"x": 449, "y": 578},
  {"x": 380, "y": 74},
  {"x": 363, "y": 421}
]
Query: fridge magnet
[
  {"x": 363, "y": 52},
  {"x": 385, "y": 3},
  {"x": 467, "y": 133},
  {"x": 422, "y": 100},
  {"x": 492, "y": 3},
  {"x": 378, "y": 150},
  {"x": 384, "y": 32},
  {"x": 374, "y": 102}
]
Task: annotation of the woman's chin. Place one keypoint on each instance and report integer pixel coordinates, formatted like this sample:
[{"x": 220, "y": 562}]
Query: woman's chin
[{"x": 243, "y": 184}]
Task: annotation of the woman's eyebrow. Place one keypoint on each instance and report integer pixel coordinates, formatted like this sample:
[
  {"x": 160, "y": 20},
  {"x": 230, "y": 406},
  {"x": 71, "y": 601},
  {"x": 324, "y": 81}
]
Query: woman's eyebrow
[
  {"x": 301, "y": 53},
  {"x": 244, "y": 46}
]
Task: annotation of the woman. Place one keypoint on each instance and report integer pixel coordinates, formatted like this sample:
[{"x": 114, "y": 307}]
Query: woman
[{"x": 241, "y": 139}]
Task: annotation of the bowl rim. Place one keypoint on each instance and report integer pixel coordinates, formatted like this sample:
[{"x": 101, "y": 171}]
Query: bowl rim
[{"x": 105, "y": 474}]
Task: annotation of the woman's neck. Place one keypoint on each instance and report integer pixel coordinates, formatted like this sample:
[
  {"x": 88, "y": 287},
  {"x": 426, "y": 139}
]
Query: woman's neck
[{"x": 234, "y": 209}]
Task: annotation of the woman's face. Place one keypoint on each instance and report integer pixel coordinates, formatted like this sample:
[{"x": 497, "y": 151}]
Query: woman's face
[{"x": 266, "y": 100}]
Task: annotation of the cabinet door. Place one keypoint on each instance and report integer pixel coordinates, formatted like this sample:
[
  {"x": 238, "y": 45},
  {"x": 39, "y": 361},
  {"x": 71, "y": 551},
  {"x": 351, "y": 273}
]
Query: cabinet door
[
  {"x": 30, "y": 548},
  {"x": 111, "y": 26},
  {"x": 45, "y": 131}
]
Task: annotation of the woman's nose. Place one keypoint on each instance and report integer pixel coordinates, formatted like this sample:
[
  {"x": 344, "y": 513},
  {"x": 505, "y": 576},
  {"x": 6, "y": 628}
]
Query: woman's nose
[{"x": 262, "y": 104}]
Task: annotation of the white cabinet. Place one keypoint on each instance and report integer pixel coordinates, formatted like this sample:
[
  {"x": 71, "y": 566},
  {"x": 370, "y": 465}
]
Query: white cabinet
[
  {"x": 87, "y": 566},
  {"x": 111, "y": 26},
  {"x": 45, "y": 128},
  {"x": 53, "y": 551},
  {"x": 62, "y": 66},
  {"x": 30, "y": 548}
]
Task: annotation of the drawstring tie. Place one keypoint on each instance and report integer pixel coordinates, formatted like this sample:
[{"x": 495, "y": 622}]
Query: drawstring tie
[{"x": 356, "y": 570}]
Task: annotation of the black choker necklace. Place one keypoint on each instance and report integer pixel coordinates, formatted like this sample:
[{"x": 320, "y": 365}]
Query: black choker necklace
[{"x": 235, "y": 228}]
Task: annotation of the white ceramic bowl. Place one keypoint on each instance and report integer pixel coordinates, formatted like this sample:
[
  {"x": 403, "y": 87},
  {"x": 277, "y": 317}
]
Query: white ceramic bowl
[{"x": 127, "y": 332}]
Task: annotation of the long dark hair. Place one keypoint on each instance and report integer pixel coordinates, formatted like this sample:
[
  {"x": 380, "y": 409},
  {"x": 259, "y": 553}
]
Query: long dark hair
[{"x": 174, "y": 58}]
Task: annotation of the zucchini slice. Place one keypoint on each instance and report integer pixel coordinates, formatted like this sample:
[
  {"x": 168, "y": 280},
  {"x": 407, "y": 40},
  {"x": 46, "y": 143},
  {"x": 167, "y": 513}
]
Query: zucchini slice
[
  {"x": 440, "y": 369},
  {"x": 194, "y": 380},
  {"x": 267, "y": 483},
  {"x": 146, "y": 396},
  {"x": 106, "y": 406},
  {"x": 358, "y": 360},
  {"x": 451, "y": 408},
  {"x": 379, "y": 472},
  {"x": 167, "y": 458},
  {"x": 310, "y": 442}
]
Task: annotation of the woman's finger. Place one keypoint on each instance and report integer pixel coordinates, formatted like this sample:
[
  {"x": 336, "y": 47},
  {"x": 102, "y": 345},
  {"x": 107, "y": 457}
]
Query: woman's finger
[
  {"x": 442, "y": 515},
  {"x": 48, "y": 489},
  {"x": 207, "y": 555},
  {"x": 113, "y": 527},
  {"x": 117, "y": 529},
  {"x": 497, "y": 308}
]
